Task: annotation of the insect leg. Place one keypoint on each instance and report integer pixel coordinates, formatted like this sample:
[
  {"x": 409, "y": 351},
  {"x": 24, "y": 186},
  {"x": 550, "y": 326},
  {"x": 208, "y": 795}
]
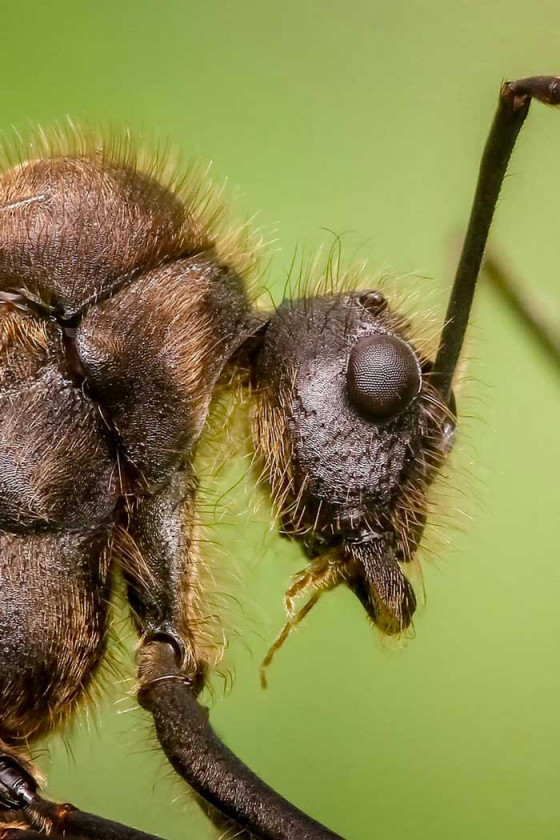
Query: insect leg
[
  {"x": 19, "y": 796},
  {"x": 513, "y": 106},
  {"x": 174, "y": 660},
  {"x": 71, "y": 822},
  {"x": 208, "y": 765},
  {"x": 24, "y": 834},
  {"x": 526, "y": 310}
]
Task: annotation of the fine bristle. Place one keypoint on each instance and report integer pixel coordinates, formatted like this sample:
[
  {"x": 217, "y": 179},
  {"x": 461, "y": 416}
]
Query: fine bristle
[{"x": 236, "y": 244}]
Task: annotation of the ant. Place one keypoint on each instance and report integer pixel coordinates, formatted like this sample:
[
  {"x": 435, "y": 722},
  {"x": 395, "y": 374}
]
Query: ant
[{"x": 122, "y": 310}]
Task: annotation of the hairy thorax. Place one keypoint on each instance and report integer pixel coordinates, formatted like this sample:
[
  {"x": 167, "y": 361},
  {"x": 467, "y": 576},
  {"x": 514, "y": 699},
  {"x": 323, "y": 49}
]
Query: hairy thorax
[{"x": 117, "y": 317}]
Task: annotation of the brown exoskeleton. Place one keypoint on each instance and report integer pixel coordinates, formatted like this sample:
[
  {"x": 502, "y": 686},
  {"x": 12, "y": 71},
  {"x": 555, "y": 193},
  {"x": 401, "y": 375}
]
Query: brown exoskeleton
[{"x": 121, "y": 310}]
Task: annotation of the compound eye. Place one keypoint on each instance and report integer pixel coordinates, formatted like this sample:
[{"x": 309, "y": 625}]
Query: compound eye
[{"x": 383, "y": 376}]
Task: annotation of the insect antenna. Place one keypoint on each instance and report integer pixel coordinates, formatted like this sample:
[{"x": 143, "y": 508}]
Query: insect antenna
[
  {"x": 513, "y": 107},
  {"x": 529, "y": 314}
]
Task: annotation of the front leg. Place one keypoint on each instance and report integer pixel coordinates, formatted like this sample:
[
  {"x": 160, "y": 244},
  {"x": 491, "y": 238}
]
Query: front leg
[
  {"x": 20, "y": 798},
  {"x": 164, "y": 581},
  {"x": 174, "y": 661}
]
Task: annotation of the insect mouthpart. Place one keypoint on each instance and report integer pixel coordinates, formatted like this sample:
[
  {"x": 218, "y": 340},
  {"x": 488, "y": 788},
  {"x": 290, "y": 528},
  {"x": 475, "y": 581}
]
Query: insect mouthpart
[
  {"x": 374, "y": 575},
  {"x": 367, "y": 561}
]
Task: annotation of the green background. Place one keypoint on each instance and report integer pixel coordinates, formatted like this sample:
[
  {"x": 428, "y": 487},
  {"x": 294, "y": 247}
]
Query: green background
[{"x": 366, "y": 118}]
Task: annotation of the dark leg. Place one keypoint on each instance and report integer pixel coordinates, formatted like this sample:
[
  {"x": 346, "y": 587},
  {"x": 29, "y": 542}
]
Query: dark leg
[
  {"x": 24, "y": 834},
  {"x": 19, "y": 796},
  {"x": 174, "y": 660},
  {"x": 69, "y": 821},
  {"x": 207, "y": 764},
  {"x": 531, "y": 316},
  {"x": 513, "y": 106}
]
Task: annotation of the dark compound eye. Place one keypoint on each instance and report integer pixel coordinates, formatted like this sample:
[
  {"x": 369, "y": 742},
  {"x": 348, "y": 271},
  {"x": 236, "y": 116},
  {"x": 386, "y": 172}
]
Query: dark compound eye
[{"x": 383, "y": 376}]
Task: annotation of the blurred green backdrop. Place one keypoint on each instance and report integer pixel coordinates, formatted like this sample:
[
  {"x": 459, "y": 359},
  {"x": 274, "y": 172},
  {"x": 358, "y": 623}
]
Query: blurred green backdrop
[{"x": 367, "y": 118}]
